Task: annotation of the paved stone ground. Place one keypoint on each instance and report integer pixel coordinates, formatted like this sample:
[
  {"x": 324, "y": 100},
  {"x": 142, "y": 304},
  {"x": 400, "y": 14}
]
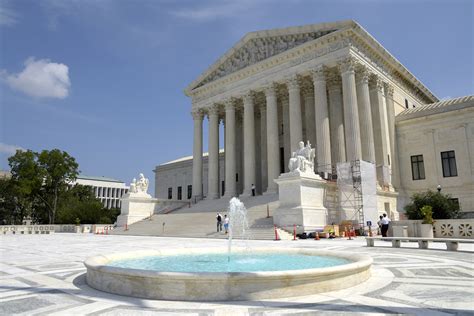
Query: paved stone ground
[{"x": 45, "y": 275}]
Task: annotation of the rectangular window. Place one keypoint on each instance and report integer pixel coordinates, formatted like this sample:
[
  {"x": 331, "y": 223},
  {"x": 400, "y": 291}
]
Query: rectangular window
[
  {"x": 190, "y": 191},
  {"x": 406, "y": 104},
  {"x": 417, "y": 167},
  {"x": 180, "y": 189},
  {"x": 282, "y": 160},
  {"x": 448, "y": 161},
  {"x": 223, "y": 187},
  {"x": 170, "y": 193}
]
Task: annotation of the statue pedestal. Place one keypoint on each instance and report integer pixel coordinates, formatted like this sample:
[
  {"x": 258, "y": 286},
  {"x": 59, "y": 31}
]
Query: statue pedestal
[
  {"x": 135, "y": 207},
  {"x": 301, "y": 197}
]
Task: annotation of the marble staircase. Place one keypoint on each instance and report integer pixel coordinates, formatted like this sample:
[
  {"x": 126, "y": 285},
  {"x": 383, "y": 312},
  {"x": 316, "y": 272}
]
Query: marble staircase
[{"x": 199, "y": 220}]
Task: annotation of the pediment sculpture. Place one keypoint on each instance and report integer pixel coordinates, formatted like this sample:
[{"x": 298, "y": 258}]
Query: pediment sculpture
[
  {"x": 258, "y": 49},
  {"x": 302, "y": 160}
]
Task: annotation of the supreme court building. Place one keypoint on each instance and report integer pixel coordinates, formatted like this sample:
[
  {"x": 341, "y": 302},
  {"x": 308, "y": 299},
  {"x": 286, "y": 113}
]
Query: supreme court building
[{"x": 331, "y": 84}]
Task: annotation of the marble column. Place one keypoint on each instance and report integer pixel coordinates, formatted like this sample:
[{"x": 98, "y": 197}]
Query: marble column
[
  {"x": 296, "y": 130},
  {"x": 249, "y": 144},
  {"x": 273, "y": 148},
  {"x": 263, "y": 148},
  {"x": 230, "y": 157},
  {"x": 213, "y": 148},
  {"x": 394, "y": 163},
  {"x": 381, "y": 134},
  {"x": 351, "y": 112},
  {"x": 285, "y": 109},
  {"x": 365, "y": 116},
  {"x": 308, "y": 98},
  {"x": 323, "y": 147},
  {"x": 336, "y": 119},
  {"x": 197, "y": 154}
]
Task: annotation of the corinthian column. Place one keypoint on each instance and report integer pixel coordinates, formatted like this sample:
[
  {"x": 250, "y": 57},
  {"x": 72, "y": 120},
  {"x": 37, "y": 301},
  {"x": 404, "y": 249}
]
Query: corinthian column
[
  {"x": 197, "y": 154},
  {"x": 381, "y": 133},
  {"x": 249, "y": 144},
  {"x": 351, "y": 113},
  {"x": 365, "y": 116},
  {"x": 322, "y": 120},
  {"x": 296, "y": 130},
  {"x": 230, "y": 157},
  {"x": 273, "y": 150},
  {"x": 336, "y": 121},
  {"x": 393, "y": 139},
  {"x": 213, "y": 159}
]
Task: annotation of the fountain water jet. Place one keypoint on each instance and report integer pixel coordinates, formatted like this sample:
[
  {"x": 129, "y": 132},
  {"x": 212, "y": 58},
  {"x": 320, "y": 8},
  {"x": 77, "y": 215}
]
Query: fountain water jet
[{"x": 238, "y": 222}]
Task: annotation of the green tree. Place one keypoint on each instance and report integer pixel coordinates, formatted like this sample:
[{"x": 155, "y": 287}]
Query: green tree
[
  {"x": 442, "y": 205},
  {"x": 24, "y": 186},
  {"x": 59, "y": 169},
  {"x": 38, "y": 180}
]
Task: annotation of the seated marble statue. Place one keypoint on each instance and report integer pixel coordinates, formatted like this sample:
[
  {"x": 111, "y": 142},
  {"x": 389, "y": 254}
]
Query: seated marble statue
[
  {"x": 142, "y": 184},
  {"x": 302, "y": 159}
]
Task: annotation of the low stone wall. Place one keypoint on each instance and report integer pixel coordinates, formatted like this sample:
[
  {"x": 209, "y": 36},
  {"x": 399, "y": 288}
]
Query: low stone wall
[
  {"x": 26, "y": 229},
  {"x": 443, "y": 228}
]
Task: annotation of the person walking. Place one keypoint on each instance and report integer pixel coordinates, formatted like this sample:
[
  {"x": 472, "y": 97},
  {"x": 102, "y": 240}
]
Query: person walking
[
  {"x": 253, "y": 189},
  {"x": 385, "y": 224},
  {"x": 226, "y": 224},
  {"x": 219, "y": 222}
]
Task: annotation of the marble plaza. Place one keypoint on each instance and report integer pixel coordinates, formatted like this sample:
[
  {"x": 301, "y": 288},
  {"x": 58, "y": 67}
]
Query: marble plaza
[{"x": 46, "y": 275}]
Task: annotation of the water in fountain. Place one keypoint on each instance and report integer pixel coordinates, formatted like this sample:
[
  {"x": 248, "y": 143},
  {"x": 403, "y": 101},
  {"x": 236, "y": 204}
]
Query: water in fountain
[{"x": 238, "y": 223}]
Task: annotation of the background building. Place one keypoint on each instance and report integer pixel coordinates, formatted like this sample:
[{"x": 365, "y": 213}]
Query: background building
[{"x": 108, "y": 190}]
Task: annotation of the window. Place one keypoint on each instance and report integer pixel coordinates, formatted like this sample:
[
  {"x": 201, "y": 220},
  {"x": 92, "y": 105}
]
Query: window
[
  {"x": 417, "y": 167},
  {"x": 448, "y": 161},
  {"x": 190, "y": 191},
  {"x": 170, "y": 193},
  {"x": 406, "y": 104},
  {"x": 180, "y": 196},
  {"x": 236, "y": 177},
  {"x": 223, "y": 187}
]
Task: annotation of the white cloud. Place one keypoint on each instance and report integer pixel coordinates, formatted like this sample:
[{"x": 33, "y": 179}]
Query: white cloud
[
  {"x": 41, "y": 78},
  {"x": 8, "y": 17},
  {"x": 9, "y": 149}
]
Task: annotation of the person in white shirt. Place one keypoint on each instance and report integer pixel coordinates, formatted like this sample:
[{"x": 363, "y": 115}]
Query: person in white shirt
[
  {"x": 385, "y": 223},
  {"x": 226, "y": 224}
]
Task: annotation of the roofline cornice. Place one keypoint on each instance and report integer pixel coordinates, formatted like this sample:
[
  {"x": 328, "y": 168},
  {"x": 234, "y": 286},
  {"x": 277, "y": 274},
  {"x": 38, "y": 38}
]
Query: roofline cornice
[{"x": 353, "y": 36}]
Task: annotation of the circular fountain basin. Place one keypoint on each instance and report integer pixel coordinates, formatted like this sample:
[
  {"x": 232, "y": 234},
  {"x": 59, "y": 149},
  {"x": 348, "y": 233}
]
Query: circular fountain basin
[{"x": 300, "y": 273}]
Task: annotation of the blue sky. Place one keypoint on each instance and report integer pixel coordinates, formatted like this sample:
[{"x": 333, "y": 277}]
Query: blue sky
[{"x": 103, "y": 80}]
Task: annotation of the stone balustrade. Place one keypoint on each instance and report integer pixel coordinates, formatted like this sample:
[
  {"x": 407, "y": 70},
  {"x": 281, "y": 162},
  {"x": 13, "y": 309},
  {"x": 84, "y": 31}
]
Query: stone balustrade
[
  {"x": 26, "y": 229},
  {"x": 443, "y": 228}
]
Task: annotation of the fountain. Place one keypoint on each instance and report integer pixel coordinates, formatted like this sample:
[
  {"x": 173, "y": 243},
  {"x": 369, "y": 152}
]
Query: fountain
[{"x": 235, "y": 273}]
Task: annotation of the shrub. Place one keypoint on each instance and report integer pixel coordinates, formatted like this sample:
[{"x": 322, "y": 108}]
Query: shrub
[
  {"x": 443, "y": 207},
  {"x": 427, "y": 212}
]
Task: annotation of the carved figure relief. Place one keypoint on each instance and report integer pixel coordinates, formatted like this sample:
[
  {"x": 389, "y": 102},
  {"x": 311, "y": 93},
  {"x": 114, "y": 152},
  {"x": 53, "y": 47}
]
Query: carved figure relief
[{"x": 259, "y": 49}]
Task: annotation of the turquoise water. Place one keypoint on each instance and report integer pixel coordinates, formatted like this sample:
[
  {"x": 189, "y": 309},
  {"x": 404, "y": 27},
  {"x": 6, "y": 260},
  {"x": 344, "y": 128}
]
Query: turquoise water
[{"x": 238, "y": 262}]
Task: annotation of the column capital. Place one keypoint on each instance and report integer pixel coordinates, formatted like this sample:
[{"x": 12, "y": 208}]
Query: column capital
[
  {"x": 213, "y": 110},
  {"x": 377, "y": 82},
  {"x": 362, "y": 75},
  {"x": 270, "y": 89},
  {"x": 347, "y": 64},
  {"x": 333, "y": 81},
  {"x": 229, "y": 104},
  {"x": 247, "y": 97},
  {"x": 319, "y": 73},
  {"x": 389, "y": 90},
  {"x": 197, "y": 114},
  {"x": 293, "y": 82}
]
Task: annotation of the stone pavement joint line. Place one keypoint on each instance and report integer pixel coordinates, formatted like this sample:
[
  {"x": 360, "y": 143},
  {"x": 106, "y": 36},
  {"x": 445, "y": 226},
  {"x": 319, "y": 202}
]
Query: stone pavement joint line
[{"x": 45, "y": 275}]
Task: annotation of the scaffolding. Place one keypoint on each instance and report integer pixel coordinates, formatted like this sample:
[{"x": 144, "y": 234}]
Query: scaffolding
[{"x": 356, "y": 184}]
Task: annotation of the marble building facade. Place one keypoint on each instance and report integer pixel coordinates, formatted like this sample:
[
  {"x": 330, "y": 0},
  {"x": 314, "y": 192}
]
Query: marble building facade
[{"x": 331, "y": 84}]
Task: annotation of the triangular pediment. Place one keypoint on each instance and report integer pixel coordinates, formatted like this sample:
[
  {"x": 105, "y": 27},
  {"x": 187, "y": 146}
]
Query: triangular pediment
[{"x": 257, "y": 46}]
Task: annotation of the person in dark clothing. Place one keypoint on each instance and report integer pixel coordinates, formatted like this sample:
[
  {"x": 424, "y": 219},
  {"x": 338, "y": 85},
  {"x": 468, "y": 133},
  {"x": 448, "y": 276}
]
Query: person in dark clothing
[{"x": 219, "y": 222}]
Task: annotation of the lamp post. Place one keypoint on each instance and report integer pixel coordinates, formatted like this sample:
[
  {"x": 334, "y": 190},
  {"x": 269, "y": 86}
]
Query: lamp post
[{"x": 438, "y": 188}]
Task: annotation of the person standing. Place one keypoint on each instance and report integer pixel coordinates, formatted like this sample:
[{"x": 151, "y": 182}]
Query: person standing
[
  {"x": 385, "y": 224},
  {"x": 253, "y": 189},
  {"x": 379, "y": 223},
  {"x": 219, "y": 222},
  {"x": 226, "y": 224}
]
